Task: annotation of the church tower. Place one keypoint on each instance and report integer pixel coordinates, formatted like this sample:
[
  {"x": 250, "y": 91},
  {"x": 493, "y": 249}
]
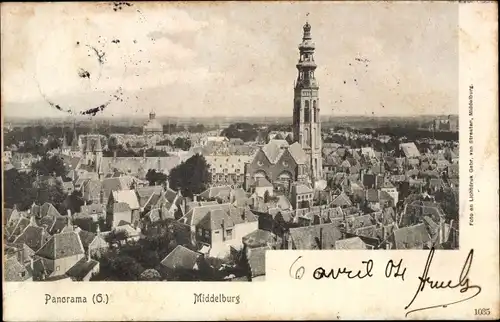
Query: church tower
[{"x": 306, "y": 119}]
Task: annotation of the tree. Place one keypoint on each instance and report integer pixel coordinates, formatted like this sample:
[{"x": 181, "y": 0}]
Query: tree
[
  {"x": 48, "y": 166},
  {"x": 112, "y": 144},
  {"x": 155, "y": 178},
  {"x": 165, "y": 142},
  {"x": 245, "y": 131},
  {"x": 18, "y": 189},
  {"x": 267, "y": 196},
  {"x": 150, "y": 274},
  {"x": 51, "y": 192},
  {"x": 116, "y": 237},
  {"x": 191, "y": 176},
  {"x": 182, "y": 143},
  {"x": 120, "y": 267},
  {"x": 74, "y": 201}
]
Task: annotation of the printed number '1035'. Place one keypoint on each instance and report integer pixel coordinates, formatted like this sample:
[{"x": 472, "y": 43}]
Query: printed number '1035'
[{"x": 481, "y": 311}]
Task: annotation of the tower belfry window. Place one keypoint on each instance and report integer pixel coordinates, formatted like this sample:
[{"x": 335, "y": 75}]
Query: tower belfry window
[
  {"x": 306, "y": 112},
  {"x": 315, "y": 112}
]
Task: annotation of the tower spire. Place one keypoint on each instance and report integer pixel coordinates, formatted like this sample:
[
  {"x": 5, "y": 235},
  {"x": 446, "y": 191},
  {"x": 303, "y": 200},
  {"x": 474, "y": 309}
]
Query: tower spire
[{"x": 306, "y": 121}]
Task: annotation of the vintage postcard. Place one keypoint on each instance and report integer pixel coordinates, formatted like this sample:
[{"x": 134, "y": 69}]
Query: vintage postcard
[{"x": 249, "y": 160}]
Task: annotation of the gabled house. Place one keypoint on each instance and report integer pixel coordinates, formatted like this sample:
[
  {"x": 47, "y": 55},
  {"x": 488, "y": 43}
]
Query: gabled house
[
  {"x": 60, "y": 253},
  {"x": 122, "y": 205}
]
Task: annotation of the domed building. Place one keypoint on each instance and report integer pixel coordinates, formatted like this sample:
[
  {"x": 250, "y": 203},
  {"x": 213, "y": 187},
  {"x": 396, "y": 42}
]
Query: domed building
[{"x": 152, "y": 126}]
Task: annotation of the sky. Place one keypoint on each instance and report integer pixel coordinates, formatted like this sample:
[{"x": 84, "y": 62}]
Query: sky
[{"x": 227, "y": 59}]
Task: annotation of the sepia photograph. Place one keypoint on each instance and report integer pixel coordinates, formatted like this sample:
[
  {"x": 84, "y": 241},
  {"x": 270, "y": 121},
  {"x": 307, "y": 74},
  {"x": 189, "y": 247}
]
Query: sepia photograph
[{"x": 181, "y": 142}]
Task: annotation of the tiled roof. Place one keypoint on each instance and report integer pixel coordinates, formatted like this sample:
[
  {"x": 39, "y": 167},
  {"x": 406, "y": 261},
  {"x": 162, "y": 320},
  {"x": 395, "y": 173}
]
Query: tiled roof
[
  {"x": 341, "y": 200},
  {"x": 410, "y": 150},
  {"x": 82, "y": 268},
  {"x": 121, "y": 207},
  {"x": 216, "y": 219},
  {"x": 15, "y": 271},
  {"x": 47, "y": 209},
  {"x": 259, "y": 238},
  {"x": 213, "y": 192},
  {"x": 298, "y": 153},
  {"x": 181, "y": 258},
  {"x": 274, "y": 149},
  {"x": 58, "y": 224},
  {"x": 95, "y": 208},
  {"x": 127, "y": 196},
  {"x": 356, "y": 222},
  {"x": 34, "y": 237},
  {"x": 62, "y": 245},
  {"x": 350, "y": 243},
  {"x": 412, "y": 237},
  {"x": 309, "y": 237},
  {"x": 302, "y": 188},
  {"x": 262, "y": 182},
  {"x": 372, "y": 195},
  {"x": 86, "y": 237},
  {"x": 257, "y": 260},
  {"x": 196, "y": 214},
  {"x": 18, "y": 227},
  {"x": 137, "y": 165}
]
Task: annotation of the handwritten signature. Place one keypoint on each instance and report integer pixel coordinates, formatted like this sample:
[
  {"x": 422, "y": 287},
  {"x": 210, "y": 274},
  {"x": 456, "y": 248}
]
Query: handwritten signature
[{"x": 463, "y": 283}]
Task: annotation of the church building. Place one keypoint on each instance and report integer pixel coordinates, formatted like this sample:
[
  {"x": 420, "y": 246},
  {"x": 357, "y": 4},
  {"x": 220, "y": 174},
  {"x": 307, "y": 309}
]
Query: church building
[
  {"x": 152, "y": 126},
  {"x": 279, "y": 162}
]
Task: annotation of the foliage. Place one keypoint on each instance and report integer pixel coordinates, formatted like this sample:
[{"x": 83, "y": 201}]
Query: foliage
[
  {"x": 74, "y": 201},
  {"x": 449, "y": 202},
  {"x": 165, "y": 142},
  {"x": 245, "y": 131},
  {"x": 112, "y": 143},
  {"x": 48, "y": 166},
  {"x": 50, "y": 191},
  {"x": 150, "y": 274},
  {"x": 116, "y": 237},
  {"x": 191, "y": 176},
  {"x": 120, "y": 266},
  {"x": 18, "y": 189},
  {"x": 155, "y": 178},
  {"x": 182, "y": 143}
]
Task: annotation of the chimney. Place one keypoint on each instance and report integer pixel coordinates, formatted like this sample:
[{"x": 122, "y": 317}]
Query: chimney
[
  {"x": 88, "y": 255},
  {"x": 195, "y": 197},
  {"x": 222, "y": 227},
  {"x": 321, "y": 238},
  {"x": 69, "y": 218},
  {"x": 32, "y": 221},
  {"x": 32, "y": 265},
  {"x": 441, "y": 231},
  {"x": 162, "y": 208}
]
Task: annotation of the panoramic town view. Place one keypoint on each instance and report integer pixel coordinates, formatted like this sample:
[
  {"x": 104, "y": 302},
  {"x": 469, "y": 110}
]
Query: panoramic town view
[{"x": 154, "y": 197}]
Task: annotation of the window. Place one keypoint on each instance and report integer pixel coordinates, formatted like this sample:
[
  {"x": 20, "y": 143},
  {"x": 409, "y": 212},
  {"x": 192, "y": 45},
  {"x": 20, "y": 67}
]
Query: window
[
  {"x": 259, "y": 163},
  {"x": 306, "y": 112},
  {"x": 229, "y": 234},
  {"x": 207, "y": 234},
  {"x": 200, "y": 233},
  {"x": 285, "y": 164},
  {"x": 57, "y": 268},
  {"x": 315, "y": 111}
]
